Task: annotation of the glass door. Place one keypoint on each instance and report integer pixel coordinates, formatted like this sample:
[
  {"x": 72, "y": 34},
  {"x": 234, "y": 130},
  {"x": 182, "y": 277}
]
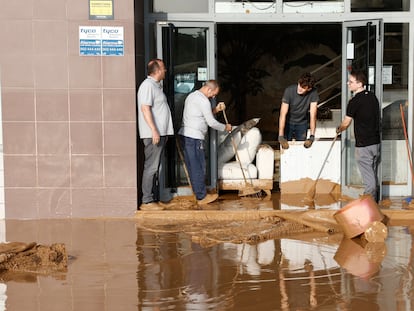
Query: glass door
[
  {"x": 363, "y": 50},
  {"x": 188, "y": 50}
]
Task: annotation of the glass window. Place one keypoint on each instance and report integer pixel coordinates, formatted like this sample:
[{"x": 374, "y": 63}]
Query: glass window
[
  {"x": 379, "y": 5},
  {"x": 395, "y": 97},
  {"x": 179, "y": 6}
]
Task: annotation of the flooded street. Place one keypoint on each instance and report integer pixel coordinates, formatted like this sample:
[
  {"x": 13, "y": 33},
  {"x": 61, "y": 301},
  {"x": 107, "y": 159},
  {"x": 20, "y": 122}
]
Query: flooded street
[{"x": 114, "y": 264}]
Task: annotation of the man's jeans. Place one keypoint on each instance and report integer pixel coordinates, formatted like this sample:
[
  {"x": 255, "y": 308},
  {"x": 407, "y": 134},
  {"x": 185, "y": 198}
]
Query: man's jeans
[
  {"x": 195, "y": 160},
  {"x": 150, "y": 189},
  {"x": 298, "y": 131}
]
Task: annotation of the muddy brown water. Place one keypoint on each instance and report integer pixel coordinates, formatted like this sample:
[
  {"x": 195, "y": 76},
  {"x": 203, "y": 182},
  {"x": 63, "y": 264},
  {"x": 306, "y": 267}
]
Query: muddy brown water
[{"x": 116, "y": 265}]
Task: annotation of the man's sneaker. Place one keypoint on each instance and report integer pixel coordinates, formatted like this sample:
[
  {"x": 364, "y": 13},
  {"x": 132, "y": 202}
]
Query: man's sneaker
[
  {"x": 208, "y": 199},
  {"x": 152, "y": 206}
]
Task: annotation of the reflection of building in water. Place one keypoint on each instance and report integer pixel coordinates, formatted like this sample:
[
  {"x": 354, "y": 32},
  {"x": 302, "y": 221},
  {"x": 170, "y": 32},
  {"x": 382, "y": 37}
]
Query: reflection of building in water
[
  {"x": 306, "y": 269},
  {"x": 400, "y": 247},
  {"x": 301, "y": 271},
  {"x": 173, "y": 272},
  {"x": 281, "y": 274}
]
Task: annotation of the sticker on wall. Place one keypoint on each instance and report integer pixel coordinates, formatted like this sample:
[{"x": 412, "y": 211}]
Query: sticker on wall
[
  {"x": 113, "y": 41},
  {"x": 90, "y": 40},
  {"x": 101, "y": 9},
  {"x": 101, "y": 41},
  {"x": 349, "y": 51},
  {"x": 202, "y": 74}
]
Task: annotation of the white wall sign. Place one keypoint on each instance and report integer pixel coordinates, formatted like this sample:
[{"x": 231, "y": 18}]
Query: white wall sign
[{"x": 202, "y": 74}]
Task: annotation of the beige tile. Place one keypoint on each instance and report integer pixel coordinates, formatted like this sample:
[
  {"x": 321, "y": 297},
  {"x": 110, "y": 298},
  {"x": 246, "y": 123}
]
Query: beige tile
[
  {"x": 16, "y": 36},
  {"x": 85, "y": 105},
  {"x": 54, "y": 171},
  {"x": 21, "y": 204},
  {"x": 120, "y": 202},
  {"x": 120, "y": 138},
  {"x": 120, "y": 171},
  {"x": 18, "y": 105},
  {"x": 124, "y": 10},
  {"x": 73, "y": 36},
  {"x": 119, "y": 72},
  {"x": 77, "y": 10},
  {"x": 17, "y": 70},
  {"x": 52, "y": 138},
  {"x": 52, "y": 105},
  {"x": 16, "y": 9},
  {"x": 86, "y": 138},
  {"x": 51, "y": 71},
  {"x": 19, "y": 171},
  {"x": 46, "y": 9},
  {"x": 87, "y": 171},
  {"x": 87, "y": 202},
  {"x": 49, "y": 36},
  {"x": 85, "y": 72},
  {"x": 19, "y": 138},
  {"x": 119, "y": 105},
  {"x": 54, "y": 203}
]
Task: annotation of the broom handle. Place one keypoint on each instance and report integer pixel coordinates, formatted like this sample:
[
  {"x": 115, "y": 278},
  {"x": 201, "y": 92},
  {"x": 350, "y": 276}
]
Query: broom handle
[
  {"x": 235, "y": 149},
  {"x": 406, "y": 141},
  {"x": 327, "y": 155},
  {"x": 180, "y": 153}
]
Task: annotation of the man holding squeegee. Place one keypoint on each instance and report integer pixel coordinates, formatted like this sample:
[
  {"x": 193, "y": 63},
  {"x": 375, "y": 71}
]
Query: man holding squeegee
[
  {"x": 363, "y": 108},
  {"x": 197, "y": 117}
]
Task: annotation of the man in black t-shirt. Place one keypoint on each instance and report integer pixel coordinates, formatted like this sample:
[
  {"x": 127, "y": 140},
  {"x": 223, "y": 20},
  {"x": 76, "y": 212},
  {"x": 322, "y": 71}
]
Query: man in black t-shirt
[
  {"x": 299, "y": 101},
  {"x": 364, "y": 109}
]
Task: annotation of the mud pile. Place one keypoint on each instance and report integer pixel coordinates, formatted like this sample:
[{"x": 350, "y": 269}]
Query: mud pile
[{"x": 31, "y": 257}]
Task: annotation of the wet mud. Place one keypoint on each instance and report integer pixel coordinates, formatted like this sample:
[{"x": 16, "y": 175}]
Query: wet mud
[{"x": 174, "y": 260}]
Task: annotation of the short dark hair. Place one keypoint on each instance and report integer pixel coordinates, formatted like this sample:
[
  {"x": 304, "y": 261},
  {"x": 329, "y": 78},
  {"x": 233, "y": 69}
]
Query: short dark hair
[
  {"x": 213, "y": 84},
  {"x": 153, "y": 65},
  {"x": 359, "y": 76},
  {"x": 307, "y": 80}
]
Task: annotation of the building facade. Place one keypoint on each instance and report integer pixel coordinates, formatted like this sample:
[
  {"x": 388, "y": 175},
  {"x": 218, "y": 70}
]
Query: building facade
[
  {"x": 68, "y": 115},
  {"x": 68, "y": 102}
]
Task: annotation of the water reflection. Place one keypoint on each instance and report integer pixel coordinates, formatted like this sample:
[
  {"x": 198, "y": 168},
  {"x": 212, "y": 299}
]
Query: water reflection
[
  {"x": 117, "y": 265},
  {"x": 286, "y": 274},
  {"x": 360, "y": 258}
]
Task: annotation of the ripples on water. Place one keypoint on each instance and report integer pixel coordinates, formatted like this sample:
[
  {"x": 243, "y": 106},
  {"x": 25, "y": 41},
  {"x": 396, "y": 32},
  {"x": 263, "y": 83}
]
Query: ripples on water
[{"x": 118, "y": 266}]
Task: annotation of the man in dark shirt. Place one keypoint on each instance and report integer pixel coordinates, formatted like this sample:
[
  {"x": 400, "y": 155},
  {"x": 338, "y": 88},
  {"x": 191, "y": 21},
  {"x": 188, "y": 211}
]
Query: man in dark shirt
[
  {"x": 298, "y": 100},
  {"x": 364, "y": 109}
]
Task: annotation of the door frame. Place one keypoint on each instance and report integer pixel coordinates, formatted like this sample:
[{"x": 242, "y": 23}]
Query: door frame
[
  {"x": 167, "y": 192},
  {"x": 345, "y": 141}
]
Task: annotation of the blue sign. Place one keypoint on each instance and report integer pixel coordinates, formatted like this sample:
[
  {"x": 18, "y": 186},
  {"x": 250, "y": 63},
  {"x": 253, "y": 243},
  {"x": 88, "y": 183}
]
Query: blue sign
[
  {"x": 90, "y": 47},
  {"x": 113, "y": 47},
  {"x": 101, "y": 41}
]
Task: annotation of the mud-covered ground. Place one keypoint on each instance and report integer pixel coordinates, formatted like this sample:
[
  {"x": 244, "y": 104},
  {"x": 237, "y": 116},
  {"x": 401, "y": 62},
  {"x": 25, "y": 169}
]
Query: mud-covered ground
[{"x": 119, "y": 264}]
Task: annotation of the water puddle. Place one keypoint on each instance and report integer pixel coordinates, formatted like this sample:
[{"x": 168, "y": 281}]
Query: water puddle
[{"x": 115, "y": 264}]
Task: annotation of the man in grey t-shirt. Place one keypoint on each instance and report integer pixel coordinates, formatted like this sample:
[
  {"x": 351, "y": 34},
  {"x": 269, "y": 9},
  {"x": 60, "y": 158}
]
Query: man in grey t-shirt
[
  {"x": 154, "y": 124},
  {"x": 298, "y": 100}
]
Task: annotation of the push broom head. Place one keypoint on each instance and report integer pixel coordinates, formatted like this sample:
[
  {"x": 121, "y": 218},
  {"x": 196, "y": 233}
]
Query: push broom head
[{"x": 249, "y": 191}]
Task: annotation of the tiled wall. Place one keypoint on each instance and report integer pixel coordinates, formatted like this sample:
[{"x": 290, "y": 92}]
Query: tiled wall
[{"x": 69, "y": 121}]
